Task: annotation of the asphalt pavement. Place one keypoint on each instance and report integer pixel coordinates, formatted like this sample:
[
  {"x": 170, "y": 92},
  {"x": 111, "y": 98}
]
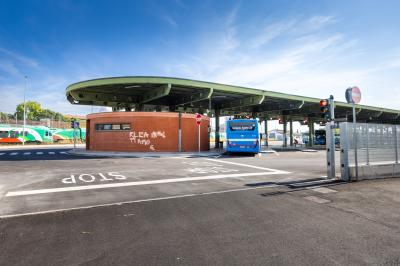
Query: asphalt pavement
[{"x": 61, "y": 209}]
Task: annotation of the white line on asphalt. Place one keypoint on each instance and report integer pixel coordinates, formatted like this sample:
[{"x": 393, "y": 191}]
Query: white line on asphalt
[
  {"x": 135, "y": 183},
  {"x": 13, "y": 153},
  {"x": 2, "y": 153},
  {"x": 317, "y": 199},
  {"x": 251, "y": 166},
  {"x": 52, "y": 152},
  {"x": 323, "y": 190},
  {"x": 137, "y": 201},
  {"x": 27, "y": 153},
  {"x": 63, "y": 152},
  {"x": 39, "y": 153}
]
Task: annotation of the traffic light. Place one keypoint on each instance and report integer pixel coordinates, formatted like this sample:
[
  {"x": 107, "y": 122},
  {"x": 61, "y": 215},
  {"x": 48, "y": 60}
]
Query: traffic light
[{"x": 325, "y": 109}]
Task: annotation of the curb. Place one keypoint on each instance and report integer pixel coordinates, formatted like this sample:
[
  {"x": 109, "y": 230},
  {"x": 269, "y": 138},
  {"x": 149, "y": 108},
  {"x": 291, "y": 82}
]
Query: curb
[{"x": 141, "y": 155}]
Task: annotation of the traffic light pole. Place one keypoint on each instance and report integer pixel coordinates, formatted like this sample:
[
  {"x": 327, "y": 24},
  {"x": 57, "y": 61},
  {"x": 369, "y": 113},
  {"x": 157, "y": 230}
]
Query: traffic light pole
[{"x": 330, "y": 141}]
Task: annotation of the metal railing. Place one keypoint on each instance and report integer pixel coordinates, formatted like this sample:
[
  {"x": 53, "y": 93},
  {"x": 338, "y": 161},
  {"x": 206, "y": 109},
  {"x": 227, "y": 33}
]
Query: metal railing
[{"x": 365, "y": 144}]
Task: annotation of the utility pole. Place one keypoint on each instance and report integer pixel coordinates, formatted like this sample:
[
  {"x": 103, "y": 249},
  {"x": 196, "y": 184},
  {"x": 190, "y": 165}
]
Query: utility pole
[{"x": 25, "y": 89}]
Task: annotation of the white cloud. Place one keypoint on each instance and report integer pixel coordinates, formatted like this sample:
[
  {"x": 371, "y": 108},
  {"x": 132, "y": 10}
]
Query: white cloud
[
  {"x": 296, "y": 56},
  {"x": 167, "y": 18},
  {"x": 9, "y": 69},
  {"x": 318, "y": 22},
  {"x": 20, "y": 58},
  {"x": 272, "y": 31}
]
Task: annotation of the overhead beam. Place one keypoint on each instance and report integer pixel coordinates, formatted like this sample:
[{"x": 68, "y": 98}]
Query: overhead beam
[
  {"x": 191, "y": 110},
  {"x": 248, "y": 101},
  {"x": 205, "y": 94},
  {"x": 101, "y": 97},
  {"x": 156, "y": 93}
]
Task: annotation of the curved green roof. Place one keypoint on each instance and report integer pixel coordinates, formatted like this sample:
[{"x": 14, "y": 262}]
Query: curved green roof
[{"x": 177, "y": 94}]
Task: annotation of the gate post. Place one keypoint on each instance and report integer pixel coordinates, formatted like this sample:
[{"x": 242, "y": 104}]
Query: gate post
[
  {"x": 330, "y": 150},
  {"x": 395, "y": 144},
  {"x": 367, "y": 144},
  {"x": 344, "y": 151}
]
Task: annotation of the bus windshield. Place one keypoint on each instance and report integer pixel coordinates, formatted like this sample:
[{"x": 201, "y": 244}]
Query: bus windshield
[{"x": 242, "y": 126}]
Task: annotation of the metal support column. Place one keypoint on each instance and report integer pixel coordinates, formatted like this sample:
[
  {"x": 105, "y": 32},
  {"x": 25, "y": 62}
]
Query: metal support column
[
  {"x": 367, "y": 142},
  {"x": 344, "y": 151},
  {"x": 310, "y": 132},
  {"x": 291, "y": 132},
  {"x": 266, "y": 131},
  {"x": 217, "y": 128},
  {"x": 284, "y": 131},
  {"x": 396, "y": 144},
  {"x": 330, "y": 141},
  {"x": 355, "y": 140},
  {"x": 330, "y": 150},
  {"x": 179, "y": 131}
]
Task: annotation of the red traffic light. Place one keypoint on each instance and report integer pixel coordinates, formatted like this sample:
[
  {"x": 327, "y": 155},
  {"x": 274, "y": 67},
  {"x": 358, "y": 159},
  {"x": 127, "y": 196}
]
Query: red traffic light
[{"x": 323, "y": 103}]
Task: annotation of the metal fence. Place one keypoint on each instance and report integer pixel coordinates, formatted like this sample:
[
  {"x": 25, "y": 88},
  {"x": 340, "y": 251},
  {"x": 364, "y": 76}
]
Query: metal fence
[
  {"x": 48, "y": 123},
  {"x": 364, "y": 145}
]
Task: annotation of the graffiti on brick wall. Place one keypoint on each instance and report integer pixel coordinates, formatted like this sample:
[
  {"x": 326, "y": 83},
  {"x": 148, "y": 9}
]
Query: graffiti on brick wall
[{"x": 145, "y": 138}]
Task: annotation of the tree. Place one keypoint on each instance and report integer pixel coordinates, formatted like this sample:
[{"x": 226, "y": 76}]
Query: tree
[
  {"x": 4, "y": 117},
  {"x": 33, "y": 110}
]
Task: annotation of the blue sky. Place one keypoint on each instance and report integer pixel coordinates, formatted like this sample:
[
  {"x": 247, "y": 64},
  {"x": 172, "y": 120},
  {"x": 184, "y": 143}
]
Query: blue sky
[{"x": 312, "y": 48}]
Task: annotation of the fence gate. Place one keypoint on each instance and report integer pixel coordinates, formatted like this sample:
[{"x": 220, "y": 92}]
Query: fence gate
[{"x": 369, "y": 151}]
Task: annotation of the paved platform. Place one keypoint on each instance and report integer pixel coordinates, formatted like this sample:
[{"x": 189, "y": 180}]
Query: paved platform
[{"x": 62, "y": 209}]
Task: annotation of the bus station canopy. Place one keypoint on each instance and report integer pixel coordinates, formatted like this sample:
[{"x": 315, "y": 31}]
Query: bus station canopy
[{"x": 146, "y": 93}]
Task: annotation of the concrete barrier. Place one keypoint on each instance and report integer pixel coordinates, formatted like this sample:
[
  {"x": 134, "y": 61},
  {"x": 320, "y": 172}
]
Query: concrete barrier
[{"x": 375, "y": 170}]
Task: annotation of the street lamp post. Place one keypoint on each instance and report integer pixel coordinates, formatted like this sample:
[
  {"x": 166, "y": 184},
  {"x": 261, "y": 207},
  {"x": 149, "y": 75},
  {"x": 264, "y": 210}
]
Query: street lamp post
[{"x": 23, "y": 130}]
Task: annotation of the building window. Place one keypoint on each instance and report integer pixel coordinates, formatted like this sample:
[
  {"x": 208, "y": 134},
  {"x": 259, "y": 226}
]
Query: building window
[{"x": 113, "y": 127}]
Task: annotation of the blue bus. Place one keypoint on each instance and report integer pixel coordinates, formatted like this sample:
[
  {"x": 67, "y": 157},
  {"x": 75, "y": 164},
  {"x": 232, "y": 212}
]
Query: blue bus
[{"x": 242, "y": 135}]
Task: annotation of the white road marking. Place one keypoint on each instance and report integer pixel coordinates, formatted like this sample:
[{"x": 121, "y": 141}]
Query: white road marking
[
  {"x": 135, "y": 183},
  {"x": 136, "y": 201},
  {"x": 13, "y": 153},
  {"x": 323, "y": 190},
  {"x": 27, "y": 153},
  {"x": 251, "y": 166},
  {"x": 317, "y": 199},
  {"x": 52, "y": 152},
  {"x": 2, "y": 153},
  {"x": 63, "y": 152},
  {"x": 39, "y": 153}
]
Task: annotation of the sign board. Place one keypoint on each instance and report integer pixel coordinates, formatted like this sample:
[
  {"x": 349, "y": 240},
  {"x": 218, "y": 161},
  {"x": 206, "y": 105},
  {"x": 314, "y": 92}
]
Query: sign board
[
  {"x": 74, "y": 124},
  {"x": 353, "y": 95},
  {"x": 198, "y": 119}
]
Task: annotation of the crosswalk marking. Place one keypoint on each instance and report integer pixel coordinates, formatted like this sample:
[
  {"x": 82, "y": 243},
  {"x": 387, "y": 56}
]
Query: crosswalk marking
[
  {"x": 39, "y": 153},
  {"x": 13, "y": 153},
  {"x": 27, "y": 153}
]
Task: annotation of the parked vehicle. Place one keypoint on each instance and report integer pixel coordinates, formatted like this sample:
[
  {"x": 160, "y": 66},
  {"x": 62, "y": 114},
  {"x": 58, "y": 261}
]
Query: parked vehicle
[{"x": 242, "y": 136}]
